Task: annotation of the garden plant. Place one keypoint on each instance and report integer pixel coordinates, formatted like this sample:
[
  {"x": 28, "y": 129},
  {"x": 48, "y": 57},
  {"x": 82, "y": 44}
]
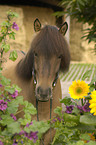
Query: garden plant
[
  {"x": 76, "y": 125},
  {"x": 83, "y": 11}
]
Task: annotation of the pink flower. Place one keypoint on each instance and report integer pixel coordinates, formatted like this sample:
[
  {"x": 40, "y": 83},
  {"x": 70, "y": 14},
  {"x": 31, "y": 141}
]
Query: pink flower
[
  {"x": 21, "y": 132},
  {"x": 15, "y": 26},
  {"x": 28, "y": 124},
  {"x": 32, "y": 136},
  {"x": 15, "y": 142},
  {"x": 86, "y": 107},
  {"x": 3, "y": 105},
  {"x": 1, "y": 143},
  {"x": 15, "y": 94},
  {"x": 14, "y": 117},
  {"x": 0, "y": 85},
  {"x": 69, "y": 109}
]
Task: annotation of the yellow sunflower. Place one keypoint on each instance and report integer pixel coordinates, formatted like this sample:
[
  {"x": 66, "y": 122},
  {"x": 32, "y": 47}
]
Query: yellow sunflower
[
  {"x": 78, "y": 89},
  {"x": 93, "y": 103}
]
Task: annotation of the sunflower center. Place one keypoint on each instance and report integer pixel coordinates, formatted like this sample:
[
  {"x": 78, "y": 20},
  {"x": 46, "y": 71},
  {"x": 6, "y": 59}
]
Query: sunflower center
[{"x": 79, "y": 90}]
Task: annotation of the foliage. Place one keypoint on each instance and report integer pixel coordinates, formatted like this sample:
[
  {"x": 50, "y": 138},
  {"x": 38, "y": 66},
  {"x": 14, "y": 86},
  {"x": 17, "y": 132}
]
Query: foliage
[
  {"x": 84, "y": 11},
  {"x": 7, "y": 32},
  {"x": 76, "y": 125},
  {"x": 15, "y": 131}
]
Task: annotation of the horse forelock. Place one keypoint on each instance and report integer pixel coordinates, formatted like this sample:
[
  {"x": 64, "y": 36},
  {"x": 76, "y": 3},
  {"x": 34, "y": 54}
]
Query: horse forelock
[{"x": 48, "y": 42}]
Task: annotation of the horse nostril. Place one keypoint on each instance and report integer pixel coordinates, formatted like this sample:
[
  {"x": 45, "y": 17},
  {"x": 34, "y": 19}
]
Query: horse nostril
[
  {"x": 43, "y": 96},
  {"x": 43, "y": 92}
]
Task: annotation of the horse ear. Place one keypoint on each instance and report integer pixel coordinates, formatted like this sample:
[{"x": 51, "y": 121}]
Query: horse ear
[
  {"x": 37, "y": 25},
  {"x": 63, "y": 29}
]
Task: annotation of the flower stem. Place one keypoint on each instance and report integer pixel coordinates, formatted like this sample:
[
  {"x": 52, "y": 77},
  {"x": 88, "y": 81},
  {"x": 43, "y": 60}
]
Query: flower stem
[
  {"x": 19, "y": 112},
  {"x": 82, "y": 102}
]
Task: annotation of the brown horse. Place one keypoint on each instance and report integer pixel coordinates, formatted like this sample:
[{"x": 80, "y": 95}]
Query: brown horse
[{"x": 37, "y": 72}]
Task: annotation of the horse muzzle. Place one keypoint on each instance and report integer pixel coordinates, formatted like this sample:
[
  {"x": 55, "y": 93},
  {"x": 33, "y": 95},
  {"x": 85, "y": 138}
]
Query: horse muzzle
[{"x": 43, "y": 95}]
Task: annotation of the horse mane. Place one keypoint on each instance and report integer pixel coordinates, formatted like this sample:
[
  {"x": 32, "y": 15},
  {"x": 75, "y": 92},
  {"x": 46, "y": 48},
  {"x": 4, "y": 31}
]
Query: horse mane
[{"x": 48, "y": 42}]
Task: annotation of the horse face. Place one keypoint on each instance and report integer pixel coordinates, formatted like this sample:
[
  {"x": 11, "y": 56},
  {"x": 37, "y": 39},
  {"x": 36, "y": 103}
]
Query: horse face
[{"x": 45, "y": 74}]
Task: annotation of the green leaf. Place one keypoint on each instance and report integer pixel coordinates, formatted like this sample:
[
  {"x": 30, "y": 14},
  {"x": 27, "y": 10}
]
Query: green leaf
[
  {"x": 6, "y": 23},
  {"x": 1, "y": 38},
  {"x": 13, "y": 55},
  {"x": 80, "y": 143},
  {"x": 19, "y": 100},
  {"x": 83, "y": 127},
  {"x": 29, "y": 108},
  {"x": 88, "y": 119},
  {"x": 71, "y": 118},
  {"x": 27, "y": 119},
  {"x": 16, "y": 88},
  {"x": 6, "y": 48},
  {"x": 12, "y": 35},
  {"x": 41, "y": 127},
  {"x": 81, "y": 2},
  {"x": 27, "y": 116},
  {"x": 58, "y": 111},
  {"x": 5, "y": 81},
  {"x": 91, "y": 143},
  {"x": 66, "y": 101},
  {"x": 14, "y": 127},
  {"x": 77, "y": 143},
  {"x": 75, "y": 110},
  {"x": 85, "y": 136},
  {"x": 58, "y": 13},
  {"x": 9, "y": 89},
  {"x": 12, "y": 14},
  {"x": 6, "y": 120},
  {"x": 92, "y": 86},
  {"x": 14, "y": 104},
  {"x": 12, "y": 107},
  {"x": 6, "y": 133}
]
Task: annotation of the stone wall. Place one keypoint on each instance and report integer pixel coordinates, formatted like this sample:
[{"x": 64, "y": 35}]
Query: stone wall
[{"x": 27, "y": 15}]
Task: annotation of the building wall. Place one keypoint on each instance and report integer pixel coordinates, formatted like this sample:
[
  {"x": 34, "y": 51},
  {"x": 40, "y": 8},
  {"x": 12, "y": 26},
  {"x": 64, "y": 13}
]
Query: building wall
[
  {"x": 27, "y": 15},
  {"x": 79, "y": 48}
]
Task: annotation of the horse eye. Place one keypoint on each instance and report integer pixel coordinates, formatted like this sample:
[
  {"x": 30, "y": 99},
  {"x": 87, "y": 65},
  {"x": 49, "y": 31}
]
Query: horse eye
[
  {"x": 60, "y": 56},
  {"x": 35, "y": 54}
]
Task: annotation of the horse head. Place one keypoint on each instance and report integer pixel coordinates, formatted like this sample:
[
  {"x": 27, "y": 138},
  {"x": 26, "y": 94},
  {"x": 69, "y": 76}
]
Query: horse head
[{"x": 48, "y": 55}]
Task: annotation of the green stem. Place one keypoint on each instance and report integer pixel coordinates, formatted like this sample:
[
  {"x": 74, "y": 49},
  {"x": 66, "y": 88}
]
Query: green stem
[
  {"x": 2, "y": 50},
  {"x": 82, "y": 102},
  {"x": 19, "y": 112}
]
